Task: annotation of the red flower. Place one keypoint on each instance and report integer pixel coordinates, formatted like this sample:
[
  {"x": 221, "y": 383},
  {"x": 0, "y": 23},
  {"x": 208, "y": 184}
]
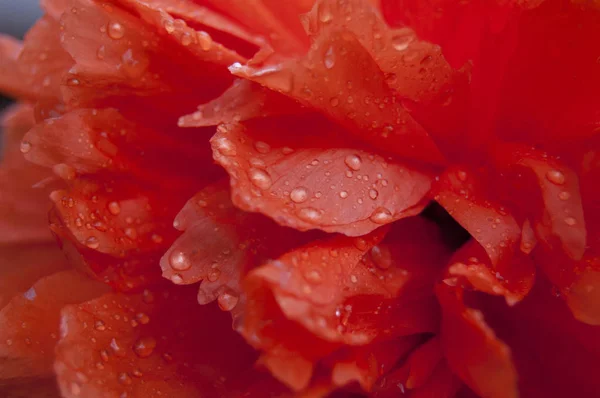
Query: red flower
[{"x": 397, "y": 207}]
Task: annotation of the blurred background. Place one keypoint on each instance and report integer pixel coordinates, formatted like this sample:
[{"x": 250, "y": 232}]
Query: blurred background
[{"x": 16, "y": 16}]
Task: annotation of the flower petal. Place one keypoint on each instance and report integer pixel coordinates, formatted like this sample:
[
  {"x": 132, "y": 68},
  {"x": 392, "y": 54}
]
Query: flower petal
[
  {"x": 513, "y": 280},
  {"x": 341, "y": 79},
  {"x": 463, "y": 196},
  {"x": 554, "y": 201},
  {"x": 472, "y": 349},
  {"x": 30, "y": 322},
  {"x": 142, "y": 345},
  {"x": 337, "y": 190}
]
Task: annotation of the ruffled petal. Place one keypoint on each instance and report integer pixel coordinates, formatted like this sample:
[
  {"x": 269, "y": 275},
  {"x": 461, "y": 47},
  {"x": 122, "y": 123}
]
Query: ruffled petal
[
  {"x": 157, "y": 342},
  {"x": 512, "y": 281},
  {"x": 339, "y": 78},
  {"x": 463, "y": 196},
  {"x": 297, "y": 181},
  {"x": 553, "y": 196},
  {"x": 30, "y": 323},
  {"x": 472, "y": 350}
]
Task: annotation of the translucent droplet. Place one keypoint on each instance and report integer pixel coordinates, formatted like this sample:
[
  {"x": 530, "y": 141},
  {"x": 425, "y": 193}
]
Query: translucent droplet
[
  {"x": 142, "y": 318},
  {"x": 556, "y": 177},
  {"x": 334, "y": 101},
  {"x": 144, "y": 347},
  {"x": 227, "y": 302},
  {"x": 25, "y": 146},
  {"x": 262, "y": 147},
  {"x": 156, "y": 238},
  {"x": 101, "y": 52},
  {"x": 179, "y": 261},
  {"x": 564, "y": 195},
  {"x": 260, "y": 178},
  {"x": 343, "y": 194},
  {"x": 353, "y": 278},
  {"x": 131, "y": 233},
  {"x": 186, "y": 39},
  {"x": 381, "y": 215},
  {"x": 402, "y": 38},
  {"x": 361, "y": 244},
  {"x": 205, "y": 40},
  {"x": 169, "y": 26},
  {"x": 309, "y": 214},
  {"x": 214, "y": 275},
  {"x": 462, "y": 175},
  {"x": 373, "y": 194},
  {"x": 124, "y": 379},
  {"x": 329, "y": 58},
  {"x": 92, "y": 242},
  {"x": 299, "y": 194},
  {"x": 570, "y": 221},
  {"x": 353, "y": 162},
  {"x": 99, "y": 325},
  {"x": 381, "y": 257},
  {"x": 116, "y": 30},
  {"x": 325, "y": 14},
  {"x": 116, "y": 348},
  {"x": 313, "y": 276},
  {"x": 177, "y": 279},
  {"x": 114, "y": 208},
  {"x": 75, "y": 389}
]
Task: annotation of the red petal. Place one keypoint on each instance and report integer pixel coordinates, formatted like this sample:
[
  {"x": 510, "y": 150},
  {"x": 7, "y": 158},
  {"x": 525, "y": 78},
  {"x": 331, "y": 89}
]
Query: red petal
[
  {"x": 30, "y": 322},
  {"x": 513, "y": 281},
  {"x": 459, "y": 192},
  {"x": 331, "y": 78},
  {"x": 297, "y": 181},
  {"x": 422, "y": 362},
  {"x": 553, "y": 197},
  {"x": 244, "y": 100},
  {"x": 472, "y": 349},
  {"x": 143, "y": 345},
  {"x": 443, "y": 383}
]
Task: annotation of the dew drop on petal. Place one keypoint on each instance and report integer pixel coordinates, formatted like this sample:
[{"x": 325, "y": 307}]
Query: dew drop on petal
[
  {"x": 564, "y": 195},
  {"x": 556, "y": 177},
  {"x": 144, "y": 347},
  {"x": 402, "y": 39},
  {"x": 462, "y": 175},
  {"x": 214, "y": 275},
  {"x": 177, "y": 279},
  {"x": 329, "y": 58},
  {"x": 25, "y": 146},
  {"x": 142, "y": 318},
  {"x": 124, "y": 379},
  {"x": 309, "y": 214},
  {"x": 262, "y": 147},
  {"x": 116, "y": 30},
  {"x": 179, "y": 261},
  {"x": 353, "y": 162},
  {"x": 381, "y": 215},
  {"x": 299, "y": 194},
  {"x": 226, "y": 147},
  {"x": 343, "y": 194},
  {"x": 205, "y": 40},
  {"x": 92, "y": 242},
  {"x": 114, "y": 208},
  {"x": 373, "y": 194},
  {"x": 260, "y": 178},
  {"x": 570, "y": 221},
  {"x": 227, "y": 301},
  {"x": 99, "y": 325},
  {"x": 313, "y": 276}
]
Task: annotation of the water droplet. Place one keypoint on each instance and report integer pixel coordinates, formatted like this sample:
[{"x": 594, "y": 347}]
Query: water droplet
[
  {"x": 227, "y": 302},
  {"x": 177, "y": 279},
  {"x": 402, "y": 38},
  {"x": 361, "y": 244},
  {"x": 353, "y": 278},
  {"x": 92, "y": 242},
  {"x": 104, "y": 355},
  {"x": 142, "y": 318},
  {"x": 131, "y": 233},
  {"x": 299, "y": 194},
  {"x": 353, "y": 162},
  {"x": 325, "y": 14},
  {"x": 462, "y": 175},
  {"x": 313, "y": 276},
  {"x": 101, "y": 52},
  {"x": 99, "y": 325},
  {"x": 556, "y": 177},
  {"x": 137, "y": 373},
  {"x": 262, "y": 147},
  {"x": 205, "y": 40},
  {"x": 114, "y": 208},
  {"x": 124, "y": 379},
  {"x": 75, "y": 389},
  {"x": 179, "y": 261},
  {"x": 381, "y": 215},
  {"x": 260, "y": 178},
  {"x": 334, "y": 101},
  {"x": 169, "y": 26},
  {"x": 570, "y": 221},
  {"x": 156, "y": 238},
  {"x": 564, "y": 195},
  {"x": 73, "y": 82},
  {"x": 329, "y": 58},
  {"x": 343, "y": 194},
  {"x": 214, "y": 275},
  {"x": 373, "y": 194},
  {"x": 117, "y": 349},
  {"x": 186, "y": 39},
  {"x": 226, "y": 147},
  {"x": 25, "y": 146},
  {"x": 381, "y": 257},
  {"x": 144, "y": 347},
  {"x": 309, "y": 214},
  {"x": 116, "y": 30}
]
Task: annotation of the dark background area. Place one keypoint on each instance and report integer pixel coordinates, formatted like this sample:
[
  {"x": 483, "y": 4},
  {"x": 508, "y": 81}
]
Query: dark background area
[{"x": 16, "y": 16}]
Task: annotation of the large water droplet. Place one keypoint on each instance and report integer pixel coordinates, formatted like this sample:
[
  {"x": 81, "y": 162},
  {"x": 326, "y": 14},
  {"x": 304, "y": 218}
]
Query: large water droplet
[
  {"x": 353, "y": 162},
  {"x": 262, "y": 147},
  {"x": 402, "y": 38},
  {"x": 114, "y": 208},
  {"x": 25, "y": 146},
  {"x": 556, "y": 177},
  {"x": 99, "y": 325},
  {"x": 124, "y": 379},
  {"x": 299, "y": 194},
  {"x": 226, "y": 147},
  {"x": 373, "y": 194},
  {"x": 213, "y": 275},
  {"x": 92, "y": 242},
  {"x": 116, "y": 30},
  {"x": 313, "y": 276},
  {"x": 381, "y": 215},
  {"x": 144, "y": 347},
  {"x": 179, "y": 261},
  {"x": 260, "y": 178},
  {"x": 329, "y": 58},
  {"x": 309, "y": 214},
  {"x": 325, "y": 14},
  {"x": 227, "y": 302},
  {"x": 570, "y": 221},
  {"x": 205, "y": 40}
]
